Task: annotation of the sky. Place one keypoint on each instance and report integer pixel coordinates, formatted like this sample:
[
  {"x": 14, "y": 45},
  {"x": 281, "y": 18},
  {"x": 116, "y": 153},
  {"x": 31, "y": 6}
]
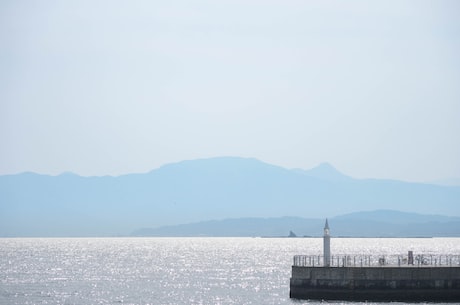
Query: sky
[{"x": 99, "y": 87}]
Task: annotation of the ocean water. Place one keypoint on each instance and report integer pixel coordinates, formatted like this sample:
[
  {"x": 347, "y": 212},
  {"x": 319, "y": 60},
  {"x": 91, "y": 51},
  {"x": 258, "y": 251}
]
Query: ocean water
[{"x": 173, "y": 270}]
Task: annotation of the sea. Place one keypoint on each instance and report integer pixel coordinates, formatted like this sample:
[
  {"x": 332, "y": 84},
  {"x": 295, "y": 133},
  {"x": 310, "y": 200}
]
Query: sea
[{"x": 203, "y": 270}]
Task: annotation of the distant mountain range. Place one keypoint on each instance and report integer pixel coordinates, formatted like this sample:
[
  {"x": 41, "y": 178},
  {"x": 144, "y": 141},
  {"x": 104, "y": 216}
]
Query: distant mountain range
[
  {"x": 200, "y": 190},
  {"x": 380, "y": 223}
]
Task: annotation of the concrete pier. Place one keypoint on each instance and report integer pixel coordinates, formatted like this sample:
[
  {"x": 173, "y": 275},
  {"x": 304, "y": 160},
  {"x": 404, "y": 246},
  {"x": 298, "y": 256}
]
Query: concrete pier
[
  {"x": 385, "y": 278},
  {"x": 408, "y": 284}
]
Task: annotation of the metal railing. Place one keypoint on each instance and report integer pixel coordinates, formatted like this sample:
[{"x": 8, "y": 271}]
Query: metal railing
[{"x": 421, "y": 260}]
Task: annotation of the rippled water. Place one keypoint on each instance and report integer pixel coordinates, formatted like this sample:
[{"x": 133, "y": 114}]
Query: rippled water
[{"x": 172, "y": 270}]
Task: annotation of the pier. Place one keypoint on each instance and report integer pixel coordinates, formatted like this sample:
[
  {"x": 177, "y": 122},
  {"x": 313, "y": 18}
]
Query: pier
[{"x": 405, "y": 277}]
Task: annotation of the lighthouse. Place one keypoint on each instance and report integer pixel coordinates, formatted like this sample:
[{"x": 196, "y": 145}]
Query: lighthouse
[{"x": 327, "y": 245}]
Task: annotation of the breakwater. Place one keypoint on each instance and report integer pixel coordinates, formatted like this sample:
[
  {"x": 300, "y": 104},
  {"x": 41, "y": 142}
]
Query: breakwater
[{"x": 377, "y": 278}]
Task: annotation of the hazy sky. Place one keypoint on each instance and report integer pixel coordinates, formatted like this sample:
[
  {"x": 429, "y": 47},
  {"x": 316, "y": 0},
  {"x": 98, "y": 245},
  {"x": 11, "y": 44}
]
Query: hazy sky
[{"x": 115, "y": 87}]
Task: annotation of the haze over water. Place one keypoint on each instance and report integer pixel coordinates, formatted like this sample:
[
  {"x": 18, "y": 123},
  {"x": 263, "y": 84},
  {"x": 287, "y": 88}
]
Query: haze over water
[{"x": 172, "y": 270}]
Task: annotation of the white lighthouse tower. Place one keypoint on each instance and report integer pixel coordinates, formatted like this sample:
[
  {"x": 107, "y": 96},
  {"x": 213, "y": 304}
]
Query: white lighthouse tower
[{"x": 327, "y": 245}]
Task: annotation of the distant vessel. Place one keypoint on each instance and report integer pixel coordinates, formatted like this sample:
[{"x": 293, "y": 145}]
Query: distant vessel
[{"x": 420, "y": 278}]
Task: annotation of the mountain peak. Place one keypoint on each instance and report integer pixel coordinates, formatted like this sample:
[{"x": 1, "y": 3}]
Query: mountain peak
[
  {"x": 219, "y": 164},
  {"x": 325, "y": 166},
  {"x": 324, "y": 171}
]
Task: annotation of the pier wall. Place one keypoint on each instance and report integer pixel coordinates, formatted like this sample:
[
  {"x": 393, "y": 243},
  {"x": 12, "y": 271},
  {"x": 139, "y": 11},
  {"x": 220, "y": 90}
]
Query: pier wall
[{"x": 376, "y": 283}]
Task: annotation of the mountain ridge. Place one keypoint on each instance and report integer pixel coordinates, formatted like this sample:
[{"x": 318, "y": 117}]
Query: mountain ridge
[
  {"x": 350, "y": 225},
  {"x": 197, "y": 190},
  {"x": 324, "y": 171}
]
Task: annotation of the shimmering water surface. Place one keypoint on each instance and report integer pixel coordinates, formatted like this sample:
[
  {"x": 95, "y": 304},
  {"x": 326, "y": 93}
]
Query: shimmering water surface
[{"x": 172, "y": 270}]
